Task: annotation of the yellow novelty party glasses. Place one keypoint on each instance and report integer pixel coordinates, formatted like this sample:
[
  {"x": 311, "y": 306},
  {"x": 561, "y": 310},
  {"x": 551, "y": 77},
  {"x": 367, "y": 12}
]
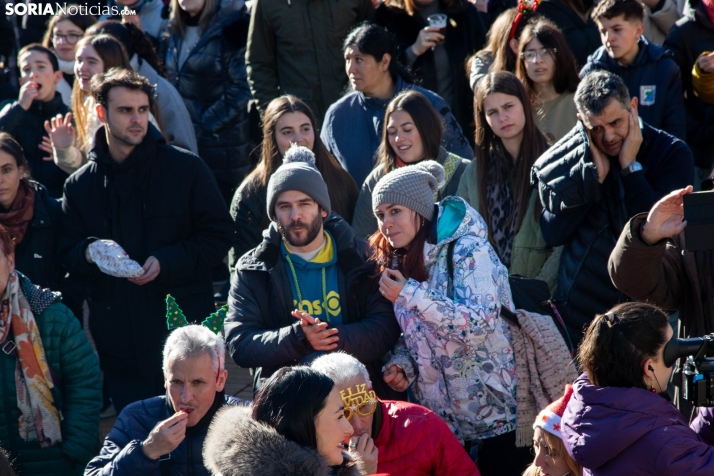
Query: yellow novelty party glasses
[{"x": 361, "y": 402}]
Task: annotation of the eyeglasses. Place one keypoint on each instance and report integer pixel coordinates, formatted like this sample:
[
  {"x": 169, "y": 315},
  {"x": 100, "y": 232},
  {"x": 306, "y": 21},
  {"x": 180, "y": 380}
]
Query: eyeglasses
[
  {"x": 363, "y": 402},
  {"x": 544, "y": 53},
  {"x": 546, "y": 452},
  {"x": 70, "y": 38}
]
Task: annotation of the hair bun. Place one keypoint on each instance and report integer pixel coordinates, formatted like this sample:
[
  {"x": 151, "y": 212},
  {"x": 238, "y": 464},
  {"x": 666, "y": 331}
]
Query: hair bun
[
  {"x": 436, "y": 170},
  {"x": 298, "y": 153}
]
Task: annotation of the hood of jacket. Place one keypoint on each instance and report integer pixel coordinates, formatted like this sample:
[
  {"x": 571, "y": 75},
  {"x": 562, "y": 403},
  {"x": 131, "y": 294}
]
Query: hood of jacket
[
  {"x": 237, "y": 445},
  {"x": 648, "y": 53},
  {"x": 265, "y": 255},
  {"x": 100, "y": 151},
  {"x": 600, "y": 423},
  {"x": 372, "y": 104}
]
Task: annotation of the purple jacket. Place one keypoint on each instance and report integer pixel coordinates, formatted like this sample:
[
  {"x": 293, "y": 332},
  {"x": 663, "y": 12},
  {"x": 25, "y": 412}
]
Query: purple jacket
[{"x": 616, "y": 430}]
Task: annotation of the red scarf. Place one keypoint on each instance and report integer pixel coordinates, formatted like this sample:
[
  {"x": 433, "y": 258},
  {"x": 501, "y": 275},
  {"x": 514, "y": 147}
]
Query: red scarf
[
  {"x": 709, "y": 5},
  {"x": 21, "y": 212}
]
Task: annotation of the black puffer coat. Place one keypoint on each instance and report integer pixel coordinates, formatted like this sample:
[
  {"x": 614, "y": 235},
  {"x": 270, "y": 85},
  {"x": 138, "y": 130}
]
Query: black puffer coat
[
  {"x": 690, "y": 37},
  {"x": 587, "y": 216},
  {"x": 214, "y": 86},
  {"x": 262, "y": 334}
]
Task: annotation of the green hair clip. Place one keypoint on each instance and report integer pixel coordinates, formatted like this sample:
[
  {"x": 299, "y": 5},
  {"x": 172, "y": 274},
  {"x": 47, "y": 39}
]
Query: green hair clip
[{"x": 175, "y": 317}]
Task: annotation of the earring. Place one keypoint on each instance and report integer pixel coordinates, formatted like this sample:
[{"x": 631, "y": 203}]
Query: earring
[{"x": 653, "y": 390}]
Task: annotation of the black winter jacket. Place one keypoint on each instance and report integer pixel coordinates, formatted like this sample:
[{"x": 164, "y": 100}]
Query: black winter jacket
[
  {"x": 653, "y": 77},
  {"x": 214, "y": 86},
  {"x": 260, "y": 331},
  {"x": 36, "y": 255},
  {"x": 582, "y": 36},
  {"x": 689, "y": 38},
  {"x": 28, "y": 128},
  {"x": 122, "y": 454},
  {"x": 161, "y": 201},
  {"x": 587, "y": 216},
  {"x": 465, "y": 35}
]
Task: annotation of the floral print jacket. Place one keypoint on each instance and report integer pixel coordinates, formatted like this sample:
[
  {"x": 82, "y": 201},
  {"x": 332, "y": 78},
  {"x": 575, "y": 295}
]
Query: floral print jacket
[{"x": 454, "y": 343}]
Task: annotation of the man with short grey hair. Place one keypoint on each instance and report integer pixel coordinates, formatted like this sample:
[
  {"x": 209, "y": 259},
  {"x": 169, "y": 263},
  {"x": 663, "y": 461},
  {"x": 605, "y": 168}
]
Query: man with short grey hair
[
  {"x": 610, "y": 167},
  {"x": 164, "y": 435},
  {"x": 393, "y": 437}
]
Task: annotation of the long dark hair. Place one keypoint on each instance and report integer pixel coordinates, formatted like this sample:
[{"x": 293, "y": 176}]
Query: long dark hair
[
  {"x": 565, "y": 76},
  {"x": 410, "y": 264},
  {"x": 340, "y": 185},
  {"x": 533, "y": 145},
  {"x": 10, "y": 146},
  {"x": 426, "y": 120},
  {"x": 614, "y": 348},
  {"x": 376, "y": 41},
  {"x": 133, "y": 40},
  {"x": 290, "y": 402}
]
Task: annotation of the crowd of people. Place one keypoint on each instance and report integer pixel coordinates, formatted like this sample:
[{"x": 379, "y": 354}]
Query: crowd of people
[{"x": 445, "y": 236}]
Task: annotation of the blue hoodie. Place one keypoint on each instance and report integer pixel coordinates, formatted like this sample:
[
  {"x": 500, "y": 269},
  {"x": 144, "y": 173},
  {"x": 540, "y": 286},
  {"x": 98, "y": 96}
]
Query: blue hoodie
[
  {"x": 352, "y": 129},
  {"x": 317, "y": 296},
  {"x": 654, "y": 78}
]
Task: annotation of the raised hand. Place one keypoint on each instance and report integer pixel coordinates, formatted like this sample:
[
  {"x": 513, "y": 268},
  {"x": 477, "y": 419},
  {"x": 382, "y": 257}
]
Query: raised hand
[
  {"x": 666, "y": 219},
  {"x": 166, "y": 436},
  {"x": 633, "y": 141},
  {"x": 396, "y": 378},
  {"x": 46, "y": 146},
  {"x": 61, "y": 131},
  {"x": 602, "y": 163},
  {"x": 316, "y": 332},
  {"x": 428, "y": 38}
]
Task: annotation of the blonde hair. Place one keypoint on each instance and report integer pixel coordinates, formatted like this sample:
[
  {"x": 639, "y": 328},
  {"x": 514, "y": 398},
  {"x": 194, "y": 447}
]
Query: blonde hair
[
  {"x": 113, "y": 56},
  {"x": 557, "y": 449}
]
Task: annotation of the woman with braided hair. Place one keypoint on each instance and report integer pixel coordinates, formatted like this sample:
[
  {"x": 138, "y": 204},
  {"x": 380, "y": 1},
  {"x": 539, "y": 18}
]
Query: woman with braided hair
[{"x": 620, "y": 419}]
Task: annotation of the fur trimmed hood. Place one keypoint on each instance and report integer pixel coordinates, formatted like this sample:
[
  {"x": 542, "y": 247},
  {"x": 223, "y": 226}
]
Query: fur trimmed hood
[{"x": 237, "y": 445}]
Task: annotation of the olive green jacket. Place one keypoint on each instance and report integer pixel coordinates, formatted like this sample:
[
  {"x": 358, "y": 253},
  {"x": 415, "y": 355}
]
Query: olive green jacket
[
  {"x": 531, "y": 256},
  {"x": 295, "y": 47}
]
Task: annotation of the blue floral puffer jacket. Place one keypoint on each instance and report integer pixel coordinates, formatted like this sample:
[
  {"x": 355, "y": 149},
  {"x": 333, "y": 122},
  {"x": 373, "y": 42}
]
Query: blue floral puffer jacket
[{"x": 465, "y": 370}]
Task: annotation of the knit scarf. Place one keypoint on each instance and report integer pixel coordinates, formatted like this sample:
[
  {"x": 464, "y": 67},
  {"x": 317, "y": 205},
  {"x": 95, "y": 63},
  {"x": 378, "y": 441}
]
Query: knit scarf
[
  {"x": 21, "y": 212},
  {"x": 709, "y": 4},
  {"x": 38, "y": 417}
]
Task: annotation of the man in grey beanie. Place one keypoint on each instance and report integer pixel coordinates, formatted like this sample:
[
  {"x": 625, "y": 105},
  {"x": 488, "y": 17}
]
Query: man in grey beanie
[{"x": 307, "y": 288}]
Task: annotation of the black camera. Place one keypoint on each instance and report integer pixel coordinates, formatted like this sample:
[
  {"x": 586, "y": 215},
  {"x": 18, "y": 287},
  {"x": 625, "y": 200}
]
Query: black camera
[{"x": 698, "y": 370}]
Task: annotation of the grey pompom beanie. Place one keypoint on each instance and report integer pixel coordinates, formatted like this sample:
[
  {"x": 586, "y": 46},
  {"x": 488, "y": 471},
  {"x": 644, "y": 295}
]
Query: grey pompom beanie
[
  {"x": 298, "y": 172},
  {"x": 413, "y": 186}
]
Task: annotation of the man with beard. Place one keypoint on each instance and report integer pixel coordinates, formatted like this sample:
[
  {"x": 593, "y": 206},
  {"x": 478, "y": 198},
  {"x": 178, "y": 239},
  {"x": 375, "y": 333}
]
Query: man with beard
[
  {"x": 161, "y": 204},
  {"x": 307, "y": 289}
]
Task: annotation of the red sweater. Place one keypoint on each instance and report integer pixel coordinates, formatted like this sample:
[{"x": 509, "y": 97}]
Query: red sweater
[{"x": 414, "y": 441}]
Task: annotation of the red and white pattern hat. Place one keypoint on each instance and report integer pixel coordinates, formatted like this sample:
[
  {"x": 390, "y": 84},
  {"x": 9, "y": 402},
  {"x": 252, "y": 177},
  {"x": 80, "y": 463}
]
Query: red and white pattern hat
[{"x": 549, "y": 418}]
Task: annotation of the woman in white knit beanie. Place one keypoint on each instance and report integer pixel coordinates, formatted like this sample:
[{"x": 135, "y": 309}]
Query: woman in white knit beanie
[{"x": 448, "y": 285}]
